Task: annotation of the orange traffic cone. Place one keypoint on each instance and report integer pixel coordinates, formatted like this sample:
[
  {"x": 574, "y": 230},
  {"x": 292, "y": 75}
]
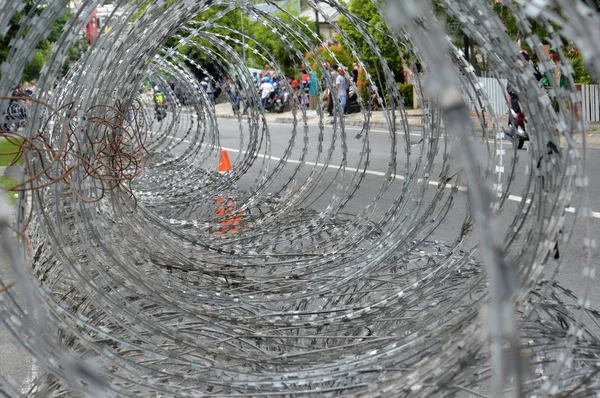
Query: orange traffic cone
[
  {"x": 230, "y": 224},
  {"x": 224, "y": 164}
]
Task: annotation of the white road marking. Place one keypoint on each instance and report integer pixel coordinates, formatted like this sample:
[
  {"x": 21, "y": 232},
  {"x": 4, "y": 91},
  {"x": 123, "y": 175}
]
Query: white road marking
[
  {"x": 513, "y": 198},
  {"x": 30, "y": 378}
]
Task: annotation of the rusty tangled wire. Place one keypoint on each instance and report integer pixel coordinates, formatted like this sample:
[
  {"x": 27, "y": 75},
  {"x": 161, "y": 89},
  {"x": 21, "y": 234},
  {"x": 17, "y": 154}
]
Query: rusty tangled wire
[{"x": 113, "y": 156}]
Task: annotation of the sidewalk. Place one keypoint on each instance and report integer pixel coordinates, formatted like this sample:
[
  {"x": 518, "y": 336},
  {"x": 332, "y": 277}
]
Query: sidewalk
[{"x": 378, "y": 121}]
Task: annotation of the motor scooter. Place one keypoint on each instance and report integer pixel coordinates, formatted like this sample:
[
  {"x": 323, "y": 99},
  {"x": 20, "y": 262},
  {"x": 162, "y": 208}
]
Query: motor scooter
[
  {"x": 15, "y": 117},
  {"x": 274, "y": 103},
  {"x": 516, "y": 131},
  {"x": 160, "y": 111}
]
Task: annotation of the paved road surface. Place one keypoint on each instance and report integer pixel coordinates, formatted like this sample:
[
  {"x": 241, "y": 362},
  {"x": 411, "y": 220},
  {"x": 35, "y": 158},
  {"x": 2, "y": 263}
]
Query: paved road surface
[
  {"x": 379, "y": 155},
  {"x": 17, "y": 364}
]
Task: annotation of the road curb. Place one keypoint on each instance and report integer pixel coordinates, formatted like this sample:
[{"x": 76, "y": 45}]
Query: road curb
[
  {"x": 591, "y": 142},
  {"x": 347, "y": 122},
  {"x": 357, "y": 123}
]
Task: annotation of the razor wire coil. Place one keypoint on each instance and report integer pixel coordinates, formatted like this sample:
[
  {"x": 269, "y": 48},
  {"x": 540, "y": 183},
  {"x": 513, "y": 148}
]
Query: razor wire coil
[{"x": 141, "y": 270}]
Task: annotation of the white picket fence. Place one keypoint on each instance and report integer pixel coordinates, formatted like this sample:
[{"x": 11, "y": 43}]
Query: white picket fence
[
  {"x": 495, "y": 90},
  {"x": 591, "y": 102}
]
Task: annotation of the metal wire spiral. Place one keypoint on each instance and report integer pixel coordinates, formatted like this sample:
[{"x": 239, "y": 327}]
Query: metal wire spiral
[{"x": 128, "y": 285}]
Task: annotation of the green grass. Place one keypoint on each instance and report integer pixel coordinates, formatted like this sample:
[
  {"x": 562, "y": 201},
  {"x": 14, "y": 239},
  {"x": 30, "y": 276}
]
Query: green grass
[
  {"x": 6, "y": 184},
  {"x": 10, "y": 151}
]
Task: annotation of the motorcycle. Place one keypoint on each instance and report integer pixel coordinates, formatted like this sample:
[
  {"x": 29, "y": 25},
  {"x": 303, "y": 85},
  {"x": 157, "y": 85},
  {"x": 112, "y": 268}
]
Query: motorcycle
[
  {"x": 15, "y": 117},
  {"x": 160, "y": 111},
  {"x": 274, "y": 103},
  {"x": 352, "y": 105},
  {"x": 516, "y": 131}
]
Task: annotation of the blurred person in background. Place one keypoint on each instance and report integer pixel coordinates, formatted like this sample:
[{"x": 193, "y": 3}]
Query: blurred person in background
[
  {"x": 341, "y": 85},
  {"x": 334, "y": 74}
]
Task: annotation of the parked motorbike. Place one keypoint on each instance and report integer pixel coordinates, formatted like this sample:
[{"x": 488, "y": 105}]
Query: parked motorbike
[
  {"x": 274, "y": 103},
  {"x": 352, "y": 105},
  {"x": 15, "y": 116}
]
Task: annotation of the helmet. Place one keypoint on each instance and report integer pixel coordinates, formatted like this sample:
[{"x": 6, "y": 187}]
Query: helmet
[
  {"x": 524, "y": 54},
  {"x": 206, "y": 79},
  {"x": 266, "y": 79}
]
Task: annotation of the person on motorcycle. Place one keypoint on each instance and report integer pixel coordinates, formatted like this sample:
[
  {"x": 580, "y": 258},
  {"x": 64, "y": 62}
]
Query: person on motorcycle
[
  {"x": 276, "y": 84},
  {"x": 517, "y": 112},
  {"x": 159, "y": 104},
  {"x": 266, "y": 88},
  {"x": 536, "y": 71},
  {"x": 516, "y": 115},
  {"x": 158, "y": 98}
]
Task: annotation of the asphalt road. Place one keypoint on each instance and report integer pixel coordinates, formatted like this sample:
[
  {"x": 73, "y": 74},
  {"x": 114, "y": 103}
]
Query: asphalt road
[
  {"x": 18, "y": 365},
  {"x": 379, "y": 141}
]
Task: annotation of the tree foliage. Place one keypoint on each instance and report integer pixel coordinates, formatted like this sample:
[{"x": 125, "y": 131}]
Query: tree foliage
[
  {"x": 14, "y": 27},
  {"x": 512, "y": 29},
  {"x": 580, "y": 74},
  {"x": 227, "y": 23},
  {"x": 342, "y": 55},
  {"x": 366, "y": 10},
  {"x": 510, "y": 22},
  {"x": 288, "y": 61},
  {"x": 198, "y": 51},
  {"x": 43, "y": 50}
]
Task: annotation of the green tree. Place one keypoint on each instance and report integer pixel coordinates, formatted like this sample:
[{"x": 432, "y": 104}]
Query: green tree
[
  {"x": 341, "y": 53},
  {"x": 44, "y": 48},
  {"x": 273, "y": 44},
  {"x": 13, "y": 29},
  {"x": 226, "y": 23},
  {"x": 197, "y": 51},
  {"x": 580, "y": 74},
  {"x": 34, "y": 67},
  {"x": 367, "y": 11}
]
